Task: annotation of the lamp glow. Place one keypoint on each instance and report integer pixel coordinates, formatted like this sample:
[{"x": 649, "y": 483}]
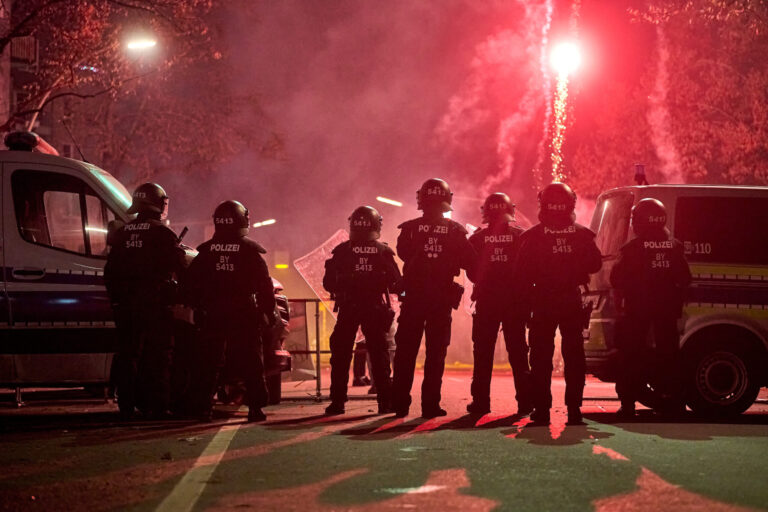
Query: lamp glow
[
  {"x": 267, "y": 222},
  {"x": 389, "y": 201},
  {"x": 141, "y": 44}
]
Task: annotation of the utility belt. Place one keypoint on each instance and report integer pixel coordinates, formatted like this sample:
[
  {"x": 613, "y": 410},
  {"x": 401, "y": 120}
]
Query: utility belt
[
  {"x": 450, "y": 295},
  {"x": 242, "y": 309},
  {"x": 148, "y": 294},
  {"x": 357, "y": 297},
  {"x": 380, "y": 304}
]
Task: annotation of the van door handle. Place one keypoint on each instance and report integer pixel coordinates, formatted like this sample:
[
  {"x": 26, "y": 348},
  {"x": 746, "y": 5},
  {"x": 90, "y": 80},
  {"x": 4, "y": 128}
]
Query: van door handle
[{"x": 28, "y": 273}]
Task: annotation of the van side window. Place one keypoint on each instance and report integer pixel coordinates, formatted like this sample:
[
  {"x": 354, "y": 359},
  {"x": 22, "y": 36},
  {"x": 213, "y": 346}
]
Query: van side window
[
  {"x": 728, "y": 230},
  {"x": 65, "y": 226},
  {"x": 60, "y": 211}
]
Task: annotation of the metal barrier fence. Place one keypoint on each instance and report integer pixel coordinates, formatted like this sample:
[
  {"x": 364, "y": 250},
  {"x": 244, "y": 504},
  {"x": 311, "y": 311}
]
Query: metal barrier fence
[{"x": 300, "y": 340}]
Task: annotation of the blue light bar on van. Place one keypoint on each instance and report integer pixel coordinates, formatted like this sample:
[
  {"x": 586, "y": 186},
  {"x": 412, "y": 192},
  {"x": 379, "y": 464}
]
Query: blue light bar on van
[{"x": 114, "y": 186}]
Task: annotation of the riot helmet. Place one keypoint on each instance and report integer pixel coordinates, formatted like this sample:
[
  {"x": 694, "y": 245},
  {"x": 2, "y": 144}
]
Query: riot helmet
[
  {"x": 231, "y": 218},
  {"x": 648, "y": 216},
  {"x": 498, "y": 207},
  {"x": 556, "y": 204},
  {"x": 434, "y": 195},
  {"x": 364, "y": 224},
  {"x": 149, "y": 198}
]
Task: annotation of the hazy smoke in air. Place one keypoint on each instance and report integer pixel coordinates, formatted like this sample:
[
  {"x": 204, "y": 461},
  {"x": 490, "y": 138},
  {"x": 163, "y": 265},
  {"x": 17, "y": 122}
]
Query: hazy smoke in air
[
  {"x": 505, "y": 65},
  {"x": 658, "y": 116},
  {"x": 584, "y": 210},
  {"x": 372, "y": 98},
  {"x": 542, "y": 149}
]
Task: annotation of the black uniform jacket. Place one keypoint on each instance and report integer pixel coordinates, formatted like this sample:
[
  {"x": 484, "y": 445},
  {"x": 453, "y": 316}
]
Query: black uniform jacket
[
  {"x": 361, "y": 272},
  {"x": 557, "y": 261},
  {"x": 141, "y": 263},
  {"x": 227, "y": 275},
  {"x": 652, "y": 275},
  {"x": 493, "y": 271},
  {"x": 434, "y": 251}
]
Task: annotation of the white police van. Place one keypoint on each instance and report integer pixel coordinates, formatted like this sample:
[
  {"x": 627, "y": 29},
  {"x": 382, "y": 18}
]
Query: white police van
[
  {"x": 56, "y": 326},
  {"x": 724, "y": 338},
  {"x": 56, "y": 323}
]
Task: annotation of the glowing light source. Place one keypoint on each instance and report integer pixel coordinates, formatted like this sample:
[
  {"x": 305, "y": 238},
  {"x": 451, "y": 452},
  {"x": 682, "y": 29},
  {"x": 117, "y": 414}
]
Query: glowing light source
[
  {"x": 141, "y": 44},
  {"x": 389, "y": 201},
  {"x": 558, "y": 136},
  {"x": 267, "y": 222},
  {"x": 565, "y": 58},
  {"x": 281, "y": 265},
  {"x": 95, "y": 230}
]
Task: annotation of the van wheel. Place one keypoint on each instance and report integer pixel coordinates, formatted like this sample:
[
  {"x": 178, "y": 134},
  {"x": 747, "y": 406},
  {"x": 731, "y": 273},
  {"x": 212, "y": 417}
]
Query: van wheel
[
  {"x": 720, "y": 379},
  {"x": 274, "y": 383}
]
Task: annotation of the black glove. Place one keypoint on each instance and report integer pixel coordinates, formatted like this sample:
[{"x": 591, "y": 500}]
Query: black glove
[{"x": 271, "y": 318}]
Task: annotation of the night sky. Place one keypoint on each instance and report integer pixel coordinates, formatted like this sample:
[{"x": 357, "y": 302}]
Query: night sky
[{"x": 372, "y": 98}]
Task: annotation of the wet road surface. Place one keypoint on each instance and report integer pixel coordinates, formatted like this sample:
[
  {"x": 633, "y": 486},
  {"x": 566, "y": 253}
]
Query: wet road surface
[{"x": 67, "y": 451}]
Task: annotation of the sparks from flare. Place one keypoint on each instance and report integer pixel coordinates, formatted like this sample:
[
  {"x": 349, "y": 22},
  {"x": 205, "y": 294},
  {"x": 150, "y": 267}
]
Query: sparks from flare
[
  {"x": 558, "y": 137},
  {"x": 565, "y": 59}
]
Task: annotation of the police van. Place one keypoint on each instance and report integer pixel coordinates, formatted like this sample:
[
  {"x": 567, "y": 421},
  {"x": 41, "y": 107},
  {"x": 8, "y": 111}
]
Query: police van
[
  {"x": 56, "y": 324},
  {"x": 724, "y": 340}
]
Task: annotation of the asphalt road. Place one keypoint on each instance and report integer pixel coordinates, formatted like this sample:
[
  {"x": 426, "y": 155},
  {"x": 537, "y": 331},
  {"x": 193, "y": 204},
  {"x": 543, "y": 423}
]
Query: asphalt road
[{"x": 67, "y": 451}]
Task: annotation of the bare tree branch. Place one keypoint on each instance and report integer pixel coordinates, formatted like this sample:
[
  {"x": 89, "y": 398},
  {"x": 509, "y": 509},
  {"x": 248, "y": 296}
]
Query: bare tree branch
[
  {"x": 156, "y": 12},
  {"x": 18, "y": 30}
]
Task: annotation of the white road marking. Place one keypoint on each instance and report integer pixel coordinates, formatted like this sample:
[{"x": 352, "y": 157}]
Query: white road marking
[
  {"x": 414, "y": 490},
  {"x": 189, "y": 489}
]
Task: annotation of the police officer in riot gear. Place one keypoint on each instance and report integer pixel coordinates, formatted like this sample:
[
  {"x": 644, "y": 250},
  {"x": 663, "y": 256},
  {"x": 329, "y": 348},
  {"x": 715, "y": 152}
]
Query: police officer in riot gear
[
  {"x": 556, "y": 257},
  {"x": 229, "y": 285},
  {"x": 650, "y": 279},
  {"x": 493, "y": 274},
  {"x": 360, "y": 275},
  {"x": 139, "y": 276},
  {"x": 434, "y": 250}
]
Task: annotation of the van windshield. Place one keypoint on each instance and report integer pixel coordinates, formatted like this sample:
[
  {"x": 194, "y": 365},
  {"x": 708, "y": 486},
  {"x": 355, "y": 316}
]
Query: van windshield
[
  {"x": 114, "y": 187},
  {"x": 611, "y": 221}
]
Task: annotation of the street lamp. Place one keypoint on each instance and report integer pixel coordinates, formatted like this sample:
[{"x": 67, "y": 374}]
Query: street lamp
[
  {"x": 386, "y": 200},
  {"x": 267, "y": 222},
  {"x": 140, "y": 44}
]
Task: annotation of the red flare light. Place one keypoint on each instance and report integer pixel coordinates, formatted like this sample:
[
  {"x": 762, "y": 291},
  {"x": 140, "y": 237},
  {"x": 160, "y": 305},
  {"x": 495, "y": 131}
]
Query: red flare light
[{"x": 565, "y": 58}]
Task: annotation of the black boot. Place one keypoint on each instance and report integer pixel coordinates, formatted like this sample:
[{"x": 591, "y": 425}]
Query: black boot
[
  {"x": 574, "y": 416},
  {"x": 255, "y": 414},
  {"x": 335, "y": 409},
  {"x": 478, "y": 408},
  {"x": 540, "y": 416},
  {"x": 626, "y": 411}
]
